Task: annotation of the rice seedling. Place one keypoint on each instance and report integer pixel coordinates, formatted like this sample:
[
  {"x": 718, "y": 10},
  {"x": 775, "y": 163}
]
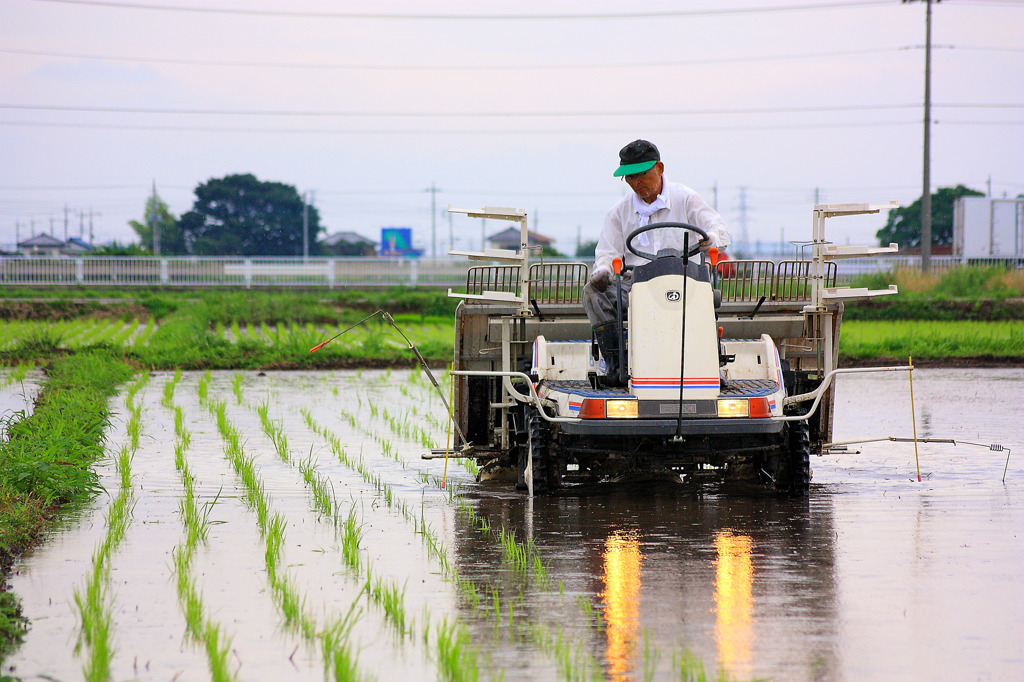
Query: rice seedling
[
  {"x": 651, "y": 655},
  {"x": 457, "y": 658},
  {"x": 687, "y": 667},
  {"x": 389, "y": 597},
  {"x": 340, "y": 662},
  {"x": 139, "y": 341},
  {"x": 236, "y": 387}
]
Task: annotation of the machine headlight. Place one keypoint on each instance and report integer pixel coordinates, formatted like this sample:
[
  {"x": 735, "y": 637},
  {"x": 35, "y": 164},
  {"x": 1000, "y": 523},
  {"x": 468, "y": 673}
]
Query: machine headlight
[
  {"x": 734, "y": 407},
  {"x": 621, "y": 409}
]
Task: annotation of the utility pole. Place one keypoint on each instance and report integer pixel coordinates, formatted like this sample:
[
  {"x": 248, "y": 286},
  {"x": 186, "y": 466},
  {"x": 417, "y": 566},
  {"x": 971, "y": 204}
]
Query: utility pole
[
  {"x": 926, "y": 193},
  {"x": 91, "y": 237},
  {"x": 714, "y": 196},
  {"x": 433, "y": 219},
  {"x": 154, "y": 222},
  {"x": 744, "y": 238},
  {"x": 305, "y": 226},
  {"x": 66, "y": 222},
  {"x": 483, "y": 234}
]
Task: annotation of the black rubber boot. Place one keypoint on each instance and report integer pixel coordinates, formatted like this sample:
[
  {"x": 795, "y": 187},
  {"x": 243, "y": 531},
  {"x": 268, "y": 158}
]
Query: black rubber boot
[{"x": 608, "y": 341}]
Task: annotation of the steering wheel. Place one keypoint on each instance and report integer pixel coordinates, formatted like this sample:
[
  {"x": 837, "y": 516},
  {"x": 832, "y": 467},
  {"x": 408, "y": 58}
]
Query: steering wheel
[{"x": 654, "y": 226}]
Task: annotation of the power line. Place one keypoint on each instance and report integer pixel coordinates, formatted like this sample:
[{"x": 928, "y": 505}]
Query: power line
[
  {"x": 472, "y": 114},
  {"x": 475, "y": 16},
  {"x": 456, "y": 131},
  {"x": 494, "y": 114},
  {"x": 24, "y": 188},
  {"x": 465, "y": 67},
  {"x": 502, "y": 131}
]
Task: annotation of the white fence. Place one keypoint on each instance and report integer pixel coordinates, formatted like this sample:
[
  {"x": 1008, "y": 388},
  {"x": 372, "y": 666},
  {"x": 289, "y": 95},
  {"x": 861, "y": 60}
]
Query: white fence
[{"x": 328, "y": 272}]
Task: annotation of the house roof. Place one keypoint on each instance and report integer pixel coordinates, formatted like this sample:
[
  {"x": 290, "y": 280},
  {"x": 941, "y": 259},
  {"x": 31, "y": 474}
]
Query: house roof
[
  {"x": 80, "y": 243},
  {"x": 43, "y": 240},
  {"x": 346, "y": 238},
  {"x": 511, "y": 236}
]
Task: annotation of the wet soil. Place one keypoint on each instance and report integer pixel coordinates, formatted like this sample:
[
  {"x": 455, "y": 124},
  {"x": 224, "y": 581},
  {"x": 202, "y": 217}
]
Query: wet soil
[{"x": 873, "y": 576}]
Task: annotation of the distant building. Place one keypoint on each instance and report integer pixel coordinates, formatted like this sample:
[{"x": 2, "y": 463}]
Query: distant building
[
  {"x": 45, "y": 246},
  {"x": 41, "y": 246},
  {"x": 510, "y": 239},
  {"x": 77, "y": 247},
  {"x": 348, "y": 244}
]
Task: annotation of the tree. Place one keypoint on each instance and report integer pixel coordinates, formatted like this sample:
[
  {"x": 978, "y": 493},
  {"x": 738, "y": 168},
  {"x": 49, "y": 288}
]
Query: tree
[
  {"x": 115, "y": 248},
  {"x": 904, "y": 224},
  {"x": 587, "y": 249},
  {"x": 238, "y": 215},
  {"x": 172, "y": 241}
]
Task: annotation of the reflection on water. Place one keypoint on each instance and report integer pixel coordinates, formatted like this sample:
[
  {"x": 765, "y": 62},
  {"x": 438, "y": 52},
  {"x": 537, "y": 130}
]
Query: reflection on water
[
  {"x": 734, "y": 603},
  {"x": 621, "y": 597}
]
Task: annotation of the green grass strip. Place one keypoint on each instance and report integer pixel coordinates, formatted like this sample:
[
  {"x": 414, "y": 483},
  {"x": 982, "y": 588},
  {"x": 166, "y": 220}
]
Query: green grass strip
[
  {"x": 46, "y": 461},
  {"x": 930, "y": 339}
]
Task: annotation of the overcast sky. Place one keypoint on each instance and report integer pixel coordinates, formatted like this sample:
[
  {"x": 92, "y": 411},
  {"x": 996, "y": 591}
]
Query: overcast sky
[{"x": 759, "y": 105}]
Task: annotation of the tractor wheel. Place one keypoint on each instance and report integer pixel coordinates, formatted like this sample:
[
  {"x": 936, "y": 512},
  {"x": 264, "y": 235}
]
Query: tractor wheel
[
  {"x": 799, "y": 464},
  {"x": 546, "y": 471}
]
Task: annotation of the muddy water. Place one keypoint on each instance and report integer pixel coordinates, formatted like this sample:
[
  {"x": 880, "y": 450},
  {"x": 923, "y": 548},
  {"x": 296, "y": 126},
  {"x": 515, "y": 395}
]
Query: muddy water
[{"x": 873, "y": 576}]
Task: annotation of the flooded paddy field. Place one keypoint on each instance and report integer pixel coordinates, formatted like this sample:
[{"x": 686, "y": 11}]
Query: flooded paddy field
[
  {"x": 19, "y": 386},
  {"x": 283, "y": 526}
]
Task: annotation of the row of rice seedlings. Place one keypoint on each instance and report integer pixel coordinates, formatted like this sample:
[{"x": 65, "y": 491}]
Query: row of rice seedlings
[
  {"x": 142, "y": 337},
  {"x": 572, "y": 657},
  {"x": 274, "y": 431},
  {"x": 339, "y": 659},
  {"x": 523, "y": 557},
  {"x": 128, "y": 332},
  {"x": 200, "y": 627},
  {"x": 368, "y": 475},
  {"x": 18, "y": 373},
  {"x": 104, "y": 333},
  {"x": 236, "y": 387},
  {"x": 580, "y": 666},
  {"x": 389, "y": 596},
  {"x": 94, "y": 602},
  {"x": 50, "y": 334},
  {"x": 384, "y": 594}
]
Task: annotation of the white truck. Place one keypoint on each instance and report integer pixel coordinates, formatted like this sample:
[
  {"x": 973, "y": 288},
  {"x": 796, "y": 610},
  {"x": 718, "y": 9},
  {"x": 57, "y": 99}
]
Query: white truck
[{"x": 988, "y": 228}]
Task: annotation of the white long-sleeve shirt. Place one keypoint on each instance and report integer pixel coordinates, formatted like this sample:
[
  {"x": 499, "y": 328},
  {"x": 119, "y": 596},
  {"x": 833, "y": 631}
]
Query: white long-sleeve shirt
[{"x": 684, "y": 205}]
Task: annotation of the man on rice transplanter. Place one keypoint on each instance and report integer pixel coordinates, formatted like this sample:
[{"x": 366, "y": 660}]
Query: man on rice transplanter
[{"x": 653, "y": 200}]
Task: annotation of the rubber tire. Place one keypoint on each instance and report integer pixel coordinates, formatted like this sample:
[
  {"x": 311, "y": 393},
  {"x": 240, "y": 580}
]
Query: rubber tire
[
  {"x": 799, "y": 464},
  {"x": 546, "y": 474}
]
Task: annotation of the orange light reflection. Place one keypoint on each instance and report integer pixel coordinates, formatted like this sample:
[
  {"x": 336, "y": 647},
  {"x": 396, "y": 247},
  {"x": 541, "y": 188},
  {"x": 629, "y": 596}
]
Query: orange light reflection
[
  {"x": 621, "y": 597},
  {"x": 734, "y": 603}
]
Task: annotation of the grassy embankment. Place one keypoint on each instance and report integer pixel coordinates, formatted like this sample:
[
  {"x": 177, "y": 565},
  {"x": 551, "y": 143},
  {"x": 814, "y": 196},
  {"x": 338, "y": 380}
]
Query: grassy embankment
[
  {"x": 964, "y": 315},
  {"x": 46, "y": 463}
]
